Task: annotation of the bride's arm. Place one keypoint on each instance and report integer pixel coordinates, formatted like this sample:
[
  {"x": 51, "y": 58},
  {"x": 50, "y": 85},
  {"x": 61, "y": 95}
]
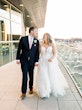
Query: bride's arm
[{"x": 54, "y": 53}]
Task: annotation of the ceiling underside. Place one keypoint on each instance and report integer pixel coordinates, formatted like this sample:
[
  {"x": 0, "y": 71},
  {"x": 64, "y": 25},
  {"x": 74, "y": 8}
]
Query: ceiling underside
[{"x": 36, "y": 9}]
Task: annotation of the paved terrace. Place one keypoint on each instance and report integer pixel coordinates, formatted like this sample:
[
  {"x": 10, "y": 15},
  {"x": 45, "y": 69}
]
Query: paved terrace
[{"x": 10, "y": 91}]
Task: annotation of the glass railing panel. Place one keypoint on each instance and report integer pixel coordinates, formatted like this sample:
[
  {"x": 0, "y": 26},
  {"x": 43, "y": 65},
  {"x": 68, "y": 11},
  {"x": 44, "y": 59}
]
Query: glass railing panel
[
  {"x": 71, "y": 57},
  {"x": 8, "y": 51}
]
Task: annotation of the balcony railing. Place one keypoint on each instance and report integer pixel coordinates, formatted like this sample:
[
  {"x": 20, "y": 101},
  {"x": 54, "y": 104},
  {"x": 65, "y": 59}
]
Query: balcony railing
[{"x": 71, "y": 58}]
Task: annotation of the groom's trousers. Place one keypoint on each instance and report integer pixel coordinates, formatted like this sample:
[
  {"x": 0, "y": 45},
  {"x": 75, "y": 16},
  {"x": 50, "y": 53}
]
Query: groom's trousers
[{"x": 26, "y": 70}]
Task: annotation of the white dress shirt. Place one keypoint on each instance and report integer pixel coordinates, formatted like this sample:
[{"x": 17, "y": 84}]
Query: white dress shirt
[{"x": 30, "y": 38}]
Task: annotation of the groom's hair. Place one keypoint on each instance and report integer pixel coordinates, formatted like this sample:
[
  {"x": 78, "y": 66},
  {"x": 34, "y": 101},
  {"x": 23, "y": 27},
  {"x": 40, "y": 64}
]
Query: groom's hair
[{"x": 31, "y": 29}]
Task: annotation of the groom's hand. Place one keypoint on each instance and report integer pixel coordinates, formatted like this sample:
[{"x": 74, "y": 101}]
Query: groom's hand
[
  {"x": 18, "y": 61},
  {"x": 36, "y": 64}
]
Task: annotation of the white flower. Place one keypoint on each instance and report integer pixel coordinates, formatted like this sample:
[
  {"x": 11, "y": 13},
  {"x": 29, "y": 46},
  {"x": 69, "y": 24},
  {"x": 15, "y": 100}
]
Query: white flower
[{"x": 35, "y": 41}]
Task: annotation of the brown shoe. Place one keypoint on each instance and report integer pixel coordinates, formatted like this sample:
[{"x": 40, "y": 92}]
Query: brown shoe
[
  {"x": 23, "y": 96},
  {"x": 31, "y": 92}
]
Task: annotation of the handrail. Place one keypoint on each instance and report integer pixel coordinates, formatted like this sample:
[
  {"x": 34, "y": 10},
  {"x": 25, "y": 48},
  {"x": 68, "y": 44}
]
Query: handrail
[
  {"x": 74, "y": 48},
  {"x": 16, "y": 41}
]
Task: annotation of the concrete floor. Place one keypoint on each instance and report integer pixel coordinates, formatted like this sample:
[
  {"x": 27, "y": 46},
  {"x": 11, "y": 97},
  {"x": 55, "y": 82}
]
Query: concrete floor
[{"x": 10, "y": 91}]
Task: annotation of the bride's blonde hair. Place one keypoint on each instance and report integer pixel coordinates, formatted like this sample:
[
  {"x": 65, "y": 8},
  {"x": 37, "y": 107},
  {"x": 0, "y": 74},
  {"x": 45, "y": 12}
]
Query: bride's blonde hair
[{"x": 49, "y": 38}]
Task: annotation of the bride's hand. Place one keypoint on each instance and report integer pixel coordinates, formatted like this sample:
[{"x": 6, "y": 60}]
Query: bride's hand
[{"x": 49, "y": 60}]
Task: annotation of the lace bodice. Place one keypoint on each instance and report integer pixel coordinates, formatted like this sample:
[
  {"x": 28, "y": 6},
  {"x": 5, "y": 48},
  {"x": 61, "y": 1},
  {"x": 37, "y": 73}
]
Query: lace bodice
[{"x": 46, "y": 52}]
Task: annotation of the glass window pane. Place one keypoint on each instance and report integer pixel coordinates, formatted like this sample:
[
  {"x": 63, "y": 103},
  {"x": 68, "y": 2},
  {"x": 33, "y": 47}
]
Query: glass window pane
[
  {"x": 15, "y": 15},
  {"x": 4, "y": 29},
  {"x": 16, "y": 31},
  {"x": 14, "y": 48},
  {"x": 4, "y": 10},
  {"x": 5, "y": 53}
]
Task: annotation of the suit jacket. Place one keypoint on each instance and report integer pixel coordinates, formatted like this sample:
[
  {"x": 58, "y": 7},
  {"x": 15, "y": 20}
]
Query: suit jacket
[{"x": 25, "y": 54}]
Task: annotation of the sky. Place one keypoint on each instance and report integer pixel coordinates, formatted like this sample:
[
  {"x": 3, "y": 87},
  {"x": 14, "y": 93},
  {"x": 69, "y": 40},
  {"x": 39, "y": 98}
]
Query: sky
[{"x": 63, "y": 19}]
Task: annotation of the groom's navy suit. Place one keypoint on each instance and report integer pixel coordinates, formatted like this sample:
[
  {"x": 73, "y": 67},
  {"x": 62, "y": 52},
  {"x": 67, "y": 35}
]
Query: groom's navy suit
[{"x": 27, "y": 57}]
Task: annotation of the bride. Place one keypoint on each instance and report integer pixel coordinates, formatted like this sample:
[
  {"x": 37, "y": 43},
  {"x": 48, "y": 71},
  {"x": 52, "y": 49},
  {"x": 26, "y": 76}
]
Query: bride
[{"x": 50, "y": 80}]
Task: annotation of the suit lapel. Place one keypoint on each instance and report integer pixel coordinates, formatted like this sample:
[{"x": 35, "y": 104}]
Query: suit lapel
[
  {"x": 27, "y": 41},
  {"x": 32, "y": 43}
]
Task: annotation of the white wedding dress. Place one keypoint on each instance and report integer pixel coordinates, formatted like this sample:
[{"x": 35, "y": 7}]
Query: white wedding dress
[{"x": 50, "y": 80}]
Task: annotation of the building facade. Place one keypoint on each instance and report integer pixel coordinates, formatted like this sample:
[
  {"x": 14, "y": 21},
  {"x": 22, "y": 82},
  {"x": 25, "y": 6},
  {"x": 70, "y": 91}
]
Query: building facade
[{"x": 11, "y": 29}]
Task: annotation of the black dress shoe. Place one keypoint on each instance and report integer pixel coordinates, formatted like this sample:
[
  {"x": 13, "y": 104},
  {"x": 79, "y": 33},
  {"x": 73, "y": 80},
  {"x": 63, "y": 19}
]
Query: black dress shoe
[
  {"x": 44, "y": 98},
  {"x": 23, "y": 96}
]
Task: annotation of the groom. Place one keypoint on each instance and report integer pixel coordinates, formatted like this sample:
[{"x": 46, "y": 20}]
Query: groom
[{"x": 28, "y": 55}]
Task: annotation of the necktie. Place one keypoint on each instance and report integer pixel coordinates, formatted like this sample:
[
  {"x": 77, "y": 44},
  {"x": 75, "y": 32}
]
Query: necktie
[{"x": 30, "y": 42}]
